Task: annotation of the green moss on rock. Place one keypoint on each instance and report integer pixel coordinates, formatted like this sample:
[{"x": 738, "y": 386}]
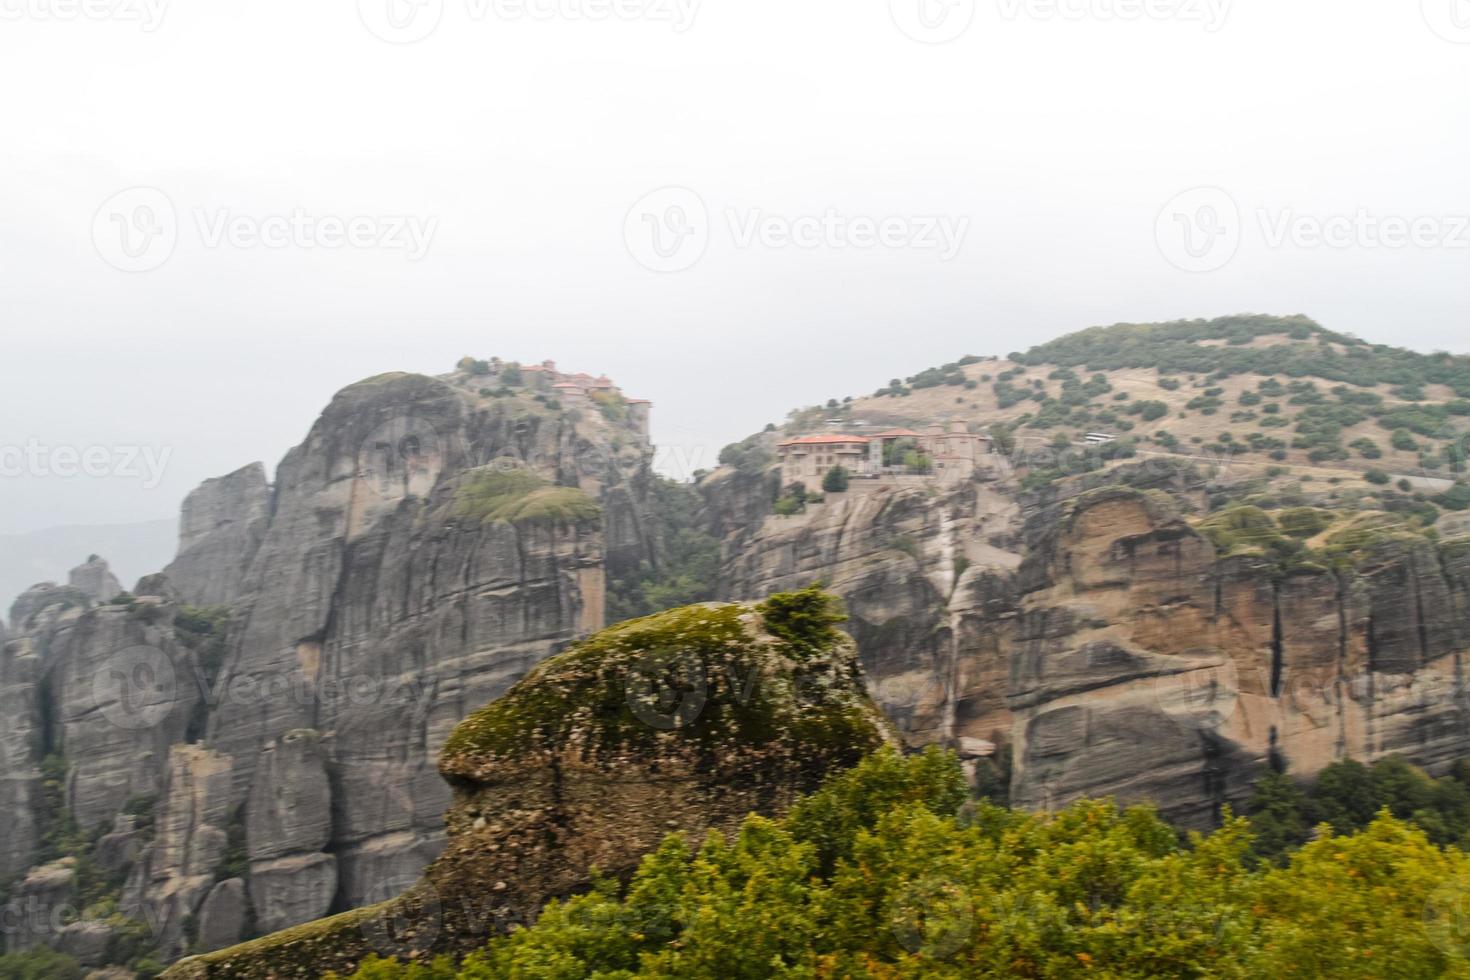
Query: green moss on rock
[
  {"x": 522, "y": 497},
  {"x": 704, "y": 674}
]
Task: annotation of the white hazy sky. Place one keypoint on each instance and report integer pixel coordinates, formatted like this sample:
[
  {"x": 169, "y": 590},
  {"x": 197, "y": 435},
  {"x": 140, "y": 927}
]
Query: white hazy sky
[{"x": 1058, "y": 138}]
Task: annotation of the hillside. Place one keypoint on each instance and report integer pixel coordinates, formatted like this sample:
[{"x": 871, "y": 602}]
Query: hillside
[
  {"x": 1257, "y": 391},
  {"x": 1258, "y": 562}
]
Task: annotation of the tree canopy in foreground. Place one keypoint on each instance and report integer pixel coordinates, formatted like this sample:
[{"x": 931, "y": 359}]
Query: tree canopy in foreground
[{"x": 887, "y": 872}]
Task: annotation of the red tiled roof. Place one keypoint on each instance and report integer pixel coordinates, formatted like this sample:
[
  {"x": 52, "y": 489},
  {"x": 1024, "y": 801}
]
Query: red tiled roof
[{"x": 825, "y": 440}]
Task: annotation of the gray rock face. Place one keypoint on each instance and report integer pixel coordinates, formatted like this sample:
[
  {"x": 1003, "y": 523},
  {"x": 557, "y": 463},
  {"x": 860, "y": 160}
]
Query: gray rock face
[
  {"x": 191, "y": 845},
  {"x": 95, "y": 580},
  {"x": 289, "y": 810},
  {"x": 87, "y": 941},
  {"x": 118, "y": 851},
  {"x": 381, "y": 617},
  {"x": 47, "y": 597},
  {"x": 220, "y": 530},
  {"x": 222, "y": 916},
  {"x": 20, "y": 755},
  {"x": 39, "y": 906},
  {"x": 922, "y": 584},
  {"x": 369, "y": 610},
  {"x": 288, "y": 822},
  {"x": 122, "y": 691},
  {"x": 292, "y": 890},
  {"x": 157, "y": 585}
]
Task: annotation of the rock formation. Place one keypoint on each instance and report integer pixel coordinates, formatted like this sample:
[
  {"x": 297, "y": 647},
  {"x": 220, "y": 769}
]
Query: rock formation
[
  {"x": 95, "y": 580},
  {"x": 1096, "y": 636},
  {"x": 220, "y": 529},
  {"x": 683, "y": 721},
  {"x": 248, "y": 741},
  {"x": 252, "y": 736}
]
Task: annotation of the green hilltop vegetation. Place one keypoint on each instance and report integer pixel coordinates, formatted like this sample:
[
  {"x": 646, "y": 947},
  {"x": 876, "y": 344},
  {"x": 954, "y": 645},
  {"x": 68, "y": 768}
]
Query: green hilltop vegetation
[
  {"x": 1263, "y": 391},
  {"x": 1313, "y": 351},
  {"x": 889, "y": 871}
]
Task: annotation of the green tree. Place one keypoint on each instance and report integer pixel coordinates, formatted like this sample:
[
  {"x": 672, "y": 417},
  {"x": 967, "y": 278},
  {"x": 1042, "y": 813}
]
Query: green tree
[
  {"x": 884, "y": 874},
  {"x": 39, "y": 964},
  {"x": 1279, "y": 817},
  {"x": 835, "y": 481}
]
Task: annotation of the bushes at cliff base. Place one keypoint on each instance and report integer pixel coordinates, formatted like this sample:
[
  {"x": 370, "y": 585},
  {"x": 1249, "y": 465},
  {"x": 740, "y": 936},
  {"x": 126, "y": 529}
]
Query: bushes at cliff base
[{"x": 885, "y": 874}]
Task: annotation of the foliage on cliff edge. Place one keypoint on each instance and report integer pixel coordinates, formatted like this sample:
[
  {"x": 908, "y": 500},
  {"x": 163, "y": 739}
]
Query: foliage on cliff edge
[{"x": 882, "y": 874}]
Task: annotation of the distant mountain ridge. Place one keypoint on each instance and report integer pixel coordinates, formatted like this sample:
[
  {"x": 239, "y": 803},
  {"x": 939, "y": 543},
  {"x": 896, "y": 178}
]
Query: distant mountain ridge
[{"x": 132, "y": 550}]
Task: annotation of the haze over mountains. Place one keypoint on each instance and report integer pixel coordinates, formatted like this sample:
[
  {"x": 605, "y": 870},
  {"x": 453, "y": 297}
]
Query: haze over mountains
[
  {"x": 1149, "y": 561},
  {"x": 133, "y": 550}
]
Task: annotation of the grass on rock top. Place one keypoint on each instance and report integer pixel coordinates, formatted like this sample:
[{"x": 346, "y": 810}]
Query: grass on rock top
[
  {"x": 737, "y": 684},
  {"x": 522, "y": 497}
]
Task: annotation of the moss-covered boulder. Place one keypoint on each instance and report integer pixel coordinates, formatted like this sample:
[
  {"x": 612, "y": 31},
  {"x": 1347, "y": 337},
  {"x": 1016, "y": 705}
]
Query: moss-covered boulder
[{"x": 685, "y": 720}]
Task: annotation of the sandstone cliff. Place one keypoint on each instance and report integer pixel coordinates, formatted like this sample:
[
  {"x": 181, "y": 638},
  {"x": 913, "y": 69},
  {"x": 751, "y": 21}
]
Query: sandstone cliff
[{"x": 1106, "y": 646}]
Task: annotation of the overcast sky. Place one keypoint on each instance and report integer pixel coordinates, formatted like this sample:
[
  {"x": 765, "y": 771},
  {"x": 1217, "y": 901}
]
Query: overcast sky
[{"x": 733, "y": 207}]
